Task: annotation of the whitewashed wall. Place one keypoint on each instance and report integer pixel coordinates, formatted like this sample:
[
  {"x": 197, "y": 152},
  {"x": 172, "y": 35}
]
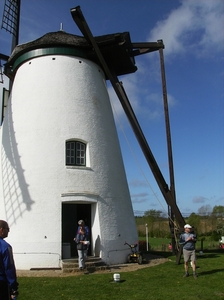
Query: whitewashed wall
[{"x": 55, "y": 98}]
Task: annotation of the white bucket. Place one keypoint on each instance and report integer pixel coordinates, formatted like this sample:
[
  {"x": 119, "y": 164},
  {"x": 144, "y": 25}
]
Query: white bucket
[{"x": 116, "y": 277}]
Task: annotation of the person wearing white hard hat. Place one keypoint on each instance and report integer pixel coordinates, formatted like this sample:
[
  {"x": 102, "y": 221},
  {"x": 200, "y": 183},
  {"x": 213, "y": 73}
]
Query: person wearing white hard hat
[{"x": 188, "y": 240}]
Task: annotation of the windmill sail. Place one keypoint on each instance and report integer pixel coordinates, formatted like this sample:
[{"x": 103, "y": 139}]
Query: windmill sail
[{"x": 10, "y": 19}]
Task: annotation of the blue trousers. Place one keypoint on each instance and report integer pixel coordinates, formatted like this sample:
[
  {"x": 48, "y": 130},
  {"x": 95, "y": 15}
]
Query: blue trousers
[{"x": 82, "y": 258}]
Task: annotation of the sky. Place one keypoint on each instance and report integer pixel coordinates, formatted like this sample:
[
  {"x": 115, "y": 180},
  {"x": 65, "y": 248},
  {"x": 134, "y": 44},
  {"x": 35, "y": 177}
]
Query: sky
[{"x": 193, "y": 35}]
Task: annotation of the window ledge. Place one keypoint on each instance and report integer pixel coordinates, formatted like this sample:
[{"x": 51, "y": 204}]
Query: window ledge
[{"x": 79, "y": 168}]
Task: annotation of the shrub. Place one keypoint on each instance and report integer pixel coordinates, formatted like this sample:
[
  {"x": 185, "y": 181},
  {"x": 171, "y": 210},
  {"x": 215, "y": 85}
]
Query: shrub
[
  {"x": 215, "y": 236},
  {"x": 143, "y": 246}
]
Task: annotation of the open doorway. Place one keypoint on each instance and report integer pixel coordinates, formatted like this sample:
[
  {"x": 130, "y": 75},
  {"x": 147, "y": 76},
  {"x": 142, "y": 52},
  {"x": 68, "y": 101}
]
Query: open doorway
[{"x": 71, "y": 214}]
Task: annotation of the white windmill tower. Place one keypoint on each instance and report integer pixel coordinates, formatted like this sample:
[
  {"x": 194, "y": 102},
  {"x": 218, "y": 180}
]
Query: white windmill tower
[{"x": 60, "y": 155}]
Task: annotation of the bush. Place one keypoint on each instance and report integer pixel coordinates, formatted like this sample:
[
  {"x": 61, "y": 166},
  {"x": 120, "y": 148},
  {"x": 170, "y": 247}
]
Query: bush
[
  {"x": 215, "y": 236},
  {"x": 143, "y": 246}
]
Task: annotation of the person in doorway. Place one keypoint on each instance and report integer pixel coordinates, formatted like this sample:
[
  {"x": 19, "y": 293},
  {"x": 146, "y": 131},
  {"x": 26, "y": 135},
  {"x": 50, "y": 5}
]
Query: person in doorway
[
  {"x": 188, "y": 240},
  {"x": 81, "y": 224},
  {"x": 82, "y": 241},
  {"x": 8, "y": 279}
]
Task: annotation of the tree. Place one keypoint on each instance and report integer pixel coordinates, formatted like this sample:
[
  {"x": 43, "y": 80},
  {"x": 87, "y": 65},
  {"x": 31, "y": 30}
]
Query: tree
[
  {"x": 220, "y": 227},
  {"x": 195, "y": 220},
  {"x": 205, "y": 210},
  {"x": 218, "y": 211},
  {"x": 153, "y": 213}
]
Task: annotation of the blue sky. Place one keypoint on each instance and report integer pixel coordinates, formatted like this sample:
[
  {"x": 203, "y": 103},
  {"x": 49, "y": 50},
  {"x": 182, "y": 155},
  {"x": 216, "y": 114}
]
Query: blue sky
[{"x": 192, "y": 32}]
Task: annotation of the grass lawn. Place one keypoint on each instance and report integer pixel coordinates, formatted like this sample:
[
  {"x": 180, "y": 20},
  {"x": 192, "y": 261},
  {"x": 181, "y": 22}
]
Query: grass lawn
[
  {"x": 163, "y": 282},
  {"x": 156, "y": 243}
]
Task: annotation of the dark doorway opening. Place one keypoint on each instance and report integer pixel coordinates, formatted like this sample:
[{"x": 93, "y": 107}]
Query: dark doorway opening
[{"x": 71, "y": 214}]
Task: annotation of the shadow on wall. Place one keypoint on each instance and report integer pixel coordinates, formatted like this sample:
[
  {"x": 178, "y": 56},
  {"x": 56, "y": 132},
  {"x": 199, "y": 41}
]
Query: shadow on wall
[
  {"x": 15, "y": 189},
  {"x": 97, "y": 246}
]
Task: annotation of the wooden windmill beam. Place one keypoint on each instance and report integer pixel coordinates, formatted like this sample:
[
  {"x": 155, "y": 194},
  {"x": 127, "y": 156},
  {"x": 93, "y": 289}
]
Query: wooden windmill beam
[
  {"x": 118, "y": 87},
  {"x": 4, "y": 57},
  {"x": 169, "y": 148},
  {"x": 143, "y": 48}
]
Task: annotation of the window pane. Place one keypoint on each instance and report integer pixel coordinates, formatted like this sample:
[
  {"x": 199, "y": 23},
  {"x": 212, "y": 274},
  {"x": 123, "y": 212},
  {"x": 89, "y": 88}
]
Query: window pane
[
  {"x": 75, "y": 153},
  {"x": 80, "y": 153}
]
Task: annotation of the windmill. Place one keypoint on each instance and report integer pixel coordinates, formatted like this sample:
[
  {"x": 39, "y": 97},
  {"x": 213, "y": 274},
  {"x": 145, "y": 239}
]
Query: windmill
[
  {"x": 38, "y": 181},
  {"x": 134, "y": 50}
]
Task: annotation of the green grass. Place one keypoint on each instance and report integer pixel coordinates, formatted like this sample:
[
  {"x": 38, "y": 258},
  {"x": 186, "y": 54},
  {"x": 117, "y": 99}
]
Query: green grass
[
  {"x": 156, "y": 243},
  {"x": 163, "y": 281}
]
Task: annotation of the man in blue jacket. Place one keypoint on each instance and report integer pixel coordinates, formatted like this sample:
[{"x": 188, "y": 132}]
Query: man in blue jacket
[
  {"x": 188, "y": 240},
  {"x": 8, "y": 279}
]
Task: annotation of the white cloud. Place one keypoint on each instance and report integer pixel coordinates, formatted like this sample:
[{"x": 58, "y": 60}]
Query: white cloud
[
  {"x": 195, "y": 26},
  {"x": 139, "y": 198},
  {"x": 138, "y": 183},
  {"x": 131, "y": 87},
  {"x": 145, "y": 103},
  {"x": 199, "y": 199}
]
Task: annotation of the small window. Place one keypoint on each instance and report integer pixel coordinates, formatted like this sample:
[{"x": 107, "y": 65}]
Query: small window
[{"x": 75, "y": 153}]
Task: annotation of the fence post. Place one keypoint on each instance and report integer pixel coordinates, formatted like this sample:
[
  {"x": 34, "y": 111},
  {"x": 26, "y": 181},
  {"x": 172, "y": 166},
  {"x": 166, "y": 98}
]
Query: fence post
[{"x": 147, "y": 237}]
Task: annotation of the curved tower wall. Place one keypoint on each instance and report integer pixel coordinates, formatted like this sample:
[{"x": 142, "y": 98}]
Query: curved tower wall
[{"x": 56, "y": 98}]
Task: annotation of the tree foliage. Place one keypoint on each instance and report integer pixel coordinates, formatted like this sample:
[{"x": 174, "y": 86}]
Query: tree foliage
[
  {"x": 205, "y": 210},
  {"x": 220, "y": 227},
  {"x": 153, "y": 213},
  {"x": 207, "y": 221},
  {"x": 218, "y": 211},
  {"x": 194, "y": 220}
]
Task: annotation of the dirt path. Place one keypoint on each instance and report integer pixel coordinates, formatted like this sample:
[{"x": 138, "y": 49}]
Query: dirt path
[{"x": 151, "y": 260}]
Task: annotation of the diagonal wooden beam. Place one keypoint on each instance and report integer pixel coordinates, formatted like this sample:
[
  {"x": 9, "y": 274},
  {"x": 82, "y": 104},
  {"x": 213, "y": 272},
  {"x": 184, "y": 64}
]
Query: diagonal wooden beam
[{"x": 83, "y": 26}]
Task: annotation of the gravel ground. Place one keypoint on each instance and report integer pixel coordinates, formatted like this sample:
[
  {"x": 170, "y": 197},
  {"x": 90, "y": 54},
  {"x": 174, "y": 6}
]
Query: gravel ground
[{"x": 151, "y": 260}]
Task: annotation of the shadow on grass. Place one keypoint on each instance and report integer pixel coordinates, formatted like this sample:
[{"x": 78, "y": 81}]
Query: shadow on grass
[
  {"x": 149, "y": 258},
  {"x": 164, "y": 254},
  {"x": 221, "y": 251},
  {"x": 211, "y": 272},
  {"x": 117, "y": 282},
  {"x": 208, "y": 255},
  {"x": 211, "y": 254}
]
